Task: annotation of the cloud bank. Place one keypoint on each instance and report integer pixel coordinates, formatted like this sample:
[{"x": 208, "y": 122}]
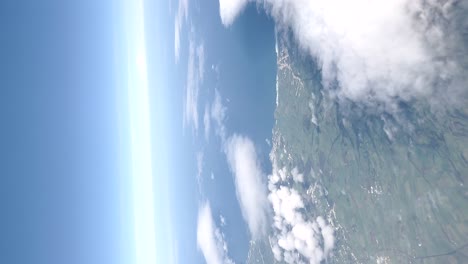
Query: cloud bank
[
  {"x": 299, "y": 238},
  {"x": 210, "y": 240},
  {"x": 378, "y": 52},
  {"x": 250, "y": 188}
]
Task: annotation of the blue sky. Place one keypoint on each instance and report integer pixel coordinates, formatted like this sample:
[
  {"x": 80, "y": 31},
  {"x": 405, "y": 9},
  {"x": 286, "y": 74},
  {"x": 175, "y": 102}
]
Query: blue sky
[
  {"x": 98, "y": 165},
  {"x": 73, "y": 76},
  {"x": 59, "y": 190},
  {"x": 93, "y": 131}
]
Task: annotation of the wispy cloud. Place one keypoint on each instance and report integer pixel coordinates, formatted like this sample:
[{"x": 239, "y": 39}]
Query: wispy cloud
[
  {"x": 194, "y": 79},
  {"x": 207, "y": 121},
  {"x": 222, "y": 220},
  {"x": 199, "y": 158},
  {"x": 249, "y": 180},
  {"x": 210, "y": 239},
  {"x": 218, "y": 114},
  {"x": 379, "y": 52},
  {"x": 248, "y": 176},
  {"x": 179, "y": 20},
  {"x": 201, "y": 61}
]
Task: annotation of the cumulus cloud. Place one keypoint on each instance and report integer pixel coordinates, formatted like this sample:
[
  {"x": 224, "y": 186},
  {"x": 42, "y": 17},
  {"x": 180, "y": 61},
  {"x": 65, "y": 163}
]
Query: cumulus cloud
[
  {"x": 229, "y": 9},
  {"x": 298, "y": 177},
  {"x": 194, "y": 79},
  {"x": 180, "y": 18},
  {"x": 298, "y": 237},
  {"x": 250, "y": 186},
  {"x": 210, "y": 240},
  {"x": 378, "y": 52}
]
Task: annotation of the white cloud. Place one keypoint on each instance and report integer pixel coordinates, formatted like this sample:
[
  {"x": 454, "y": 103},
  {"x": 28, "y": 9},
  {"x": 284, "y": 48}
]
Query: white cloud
[
  {"x": 210, "y": 240},
  {"x": 194, "y": 79},
  {"x": 230, "y": 9},
  {"x": 179, "y": 20},
  {"x": 199, "y": 158},
  {"x": 298, "y": 177},
  {"x": 297, "y": 236},
  {"x": 218, "y": 113},
  {"x": 201, "y": 61},
  {"x": 207, "y": 122},
  {"x": 248, "y": 176},
  {"x": 215, "y": 68},
  {"x": 250, "y": 186},
  {"x": 176, "y": 40},
  {"x": 378, "y": 50},
  {"x": 222, "y": 220}
]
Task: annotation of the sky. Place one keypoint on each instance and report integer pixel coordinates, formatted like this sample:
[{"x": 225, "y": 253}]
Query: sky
[
  {"x": 225, "y": 77},
  {"x": 104, "y": 161},
  {"x": 59, "y": 191},
  {"x": 77, "y": 138},
  {"x": 140, "y": 131}
]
